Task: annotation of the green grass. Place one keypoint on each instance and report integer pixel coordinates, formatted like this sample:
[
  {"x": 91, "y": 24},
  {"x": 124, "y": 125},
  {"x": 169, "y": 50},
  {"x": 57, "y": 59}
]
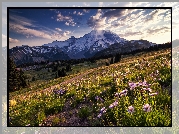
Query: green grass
[{"x": 36, "y": 106}]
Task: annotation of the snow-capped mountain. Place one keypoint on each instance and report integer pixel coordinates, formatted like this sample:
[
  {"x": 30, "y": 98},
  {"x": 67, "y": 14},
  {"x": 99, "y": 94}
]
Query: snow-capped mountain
[
  {"x": 92, "y": 42},
  {"x": 75, "y": 48}
]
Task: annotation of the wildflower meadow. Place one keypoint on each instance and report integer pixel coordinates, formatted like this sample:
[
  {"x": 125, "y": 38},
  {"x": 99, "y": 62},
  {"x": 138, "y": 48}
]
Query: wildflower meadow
[{"x": 133, "y": 92}]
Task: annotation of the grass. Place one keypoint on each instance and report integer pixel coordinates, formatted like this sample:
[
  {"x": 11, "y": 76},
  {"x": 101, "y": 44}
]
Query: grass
[{"x": 79, "y": 106}]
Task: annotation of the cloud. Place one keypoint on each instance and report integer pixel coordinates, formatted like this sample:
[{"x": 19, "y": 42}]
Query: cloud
[
  {"x": 97, "y": 21},
  {"x": 152, "y": 15},
  {"x": 126, "y": 34},
  {"x": 155, "y": 16},
  {"x": 24, "y": 26},
  {"x": 21, "y": 20},
  {"x": 66, "y": 23},
  {"x": 115, "y": 13},
  {"x": 69, "y": 20},
  {"x": 74, "y": 12},
  {"x": 27, "y": 27},
  {"x": 159, "y": 30},
  {"x": 117, "y": 25},
  {"x": 58, "y": 29},
  {"x": 80, "y": 13},
  {"x": 60, "y": 17},
  {"x": 143, "y": 19},
  {"x": 27, "y": 31},
  {"x": 115, "y": 18},
  {"x": 13, "y": 40},
  {"x": 86, "y": 10}
]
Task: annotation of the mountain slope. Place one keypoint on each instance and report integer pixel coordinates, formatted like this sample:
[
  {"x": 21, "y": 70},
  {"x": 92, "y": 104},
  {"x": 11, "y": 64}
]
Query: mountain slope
[
  {"x": 92, "y": 42},
  {"x": 75, "y": 48},
  {"x": 27, "y": 54},
  {"x": 128, "y": 46}
]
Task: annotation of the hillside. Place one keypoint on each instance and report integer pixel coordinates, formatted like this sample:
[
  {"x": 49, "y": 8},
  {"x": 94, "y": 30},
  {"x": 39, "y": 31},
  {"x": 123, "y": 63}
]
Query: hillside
[{"x": 114, "y": 95}]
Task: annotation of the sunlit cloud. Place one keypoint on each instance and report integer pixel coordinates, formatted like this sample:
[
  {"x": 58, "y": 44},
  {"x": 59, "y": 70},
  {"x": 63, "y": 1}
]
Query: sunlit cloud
[
  {"x": 58, "y": 29},
  {"x": 13, "y": 40},
  {"x": 127, "y": 23},
  {"x": 69, "y": 20}
]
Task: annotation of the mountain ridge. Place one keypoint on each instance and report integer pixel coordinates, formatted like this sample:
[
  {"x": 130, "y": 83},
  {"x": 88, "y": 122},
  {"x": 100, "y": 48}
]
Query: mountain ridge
[{"x": 76, "y": 48}]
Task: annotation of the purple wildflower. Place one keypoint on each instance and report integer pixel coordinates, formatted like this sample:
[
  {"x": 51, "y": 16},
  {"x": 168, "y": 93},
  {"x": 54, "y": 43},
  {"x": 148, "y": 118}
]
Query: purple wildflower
[
  {"x": 144, "y": 83},
  {"x": 97, "y": 98},
  {"x": 99, "y": 115},
  {"x": 130, "y": 109},
  {"x": 116, "y": 94},
  {"x": 147, "y": 108},
  {"x": 101, "y": 99},
  {"x": 59, "y": 92},
  {"x": 113, "y": 104},
  {"x": 132, "y": 85},
  {"x": 103, "y": 110},
  {"x": 123, "y": 93},
  {"x": 140, "y": 83}
]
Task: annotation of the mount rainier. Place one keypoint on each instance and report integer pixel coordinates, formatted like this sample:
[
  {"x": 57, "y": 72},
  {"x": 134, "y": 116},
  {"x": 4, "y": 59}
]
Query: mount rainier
[{"x": 75, "y": 48}]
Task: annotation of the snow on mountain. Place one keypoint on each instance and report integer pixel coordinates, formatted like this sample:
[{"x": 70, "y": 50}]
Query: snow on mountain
[
  {"x": 27, "y": 54},
  {"x": 75, "y": 48},
  {"x": 94, "y": 41}
]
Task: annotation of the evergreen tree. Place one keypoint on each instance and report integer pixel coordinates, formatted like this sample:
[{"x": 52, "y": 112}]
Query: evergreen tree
[
  {"x": 68, "y": 67},
  {"x": 13, "y": 83},
  {"x": 61, "y": 73},
  {"x": 33, "y": 78},
  {"x": 16, "y": 77},
  {"x": 22, "y": 78},
  {"x": 117, "y": 58},
  {"x": 112, "y": 60}
]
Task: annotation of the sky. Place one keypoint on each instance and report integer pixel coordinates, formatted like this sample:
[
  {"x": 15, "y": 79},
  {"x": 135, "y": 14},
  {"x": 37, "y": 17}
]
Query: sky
[{"x": 35, "y": 27}]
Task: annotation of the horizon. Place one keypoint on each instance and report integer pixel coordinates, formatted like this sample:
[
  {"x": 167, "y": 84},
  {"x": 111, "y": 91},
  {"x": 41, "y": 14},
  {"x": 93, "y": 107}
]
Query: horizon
[{"x": 36, "y": 27}]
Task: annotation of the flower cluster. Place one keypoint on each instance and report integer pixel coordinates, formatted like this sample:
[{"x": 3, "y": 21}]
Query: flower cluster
[
  {"x": 59, "y": 92},
  {"x": 132, "y": 85},
  {"x": 113, "y": 104},
  {"x": 103, "y": 110},
  {"x": 122, "y": 93}
]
